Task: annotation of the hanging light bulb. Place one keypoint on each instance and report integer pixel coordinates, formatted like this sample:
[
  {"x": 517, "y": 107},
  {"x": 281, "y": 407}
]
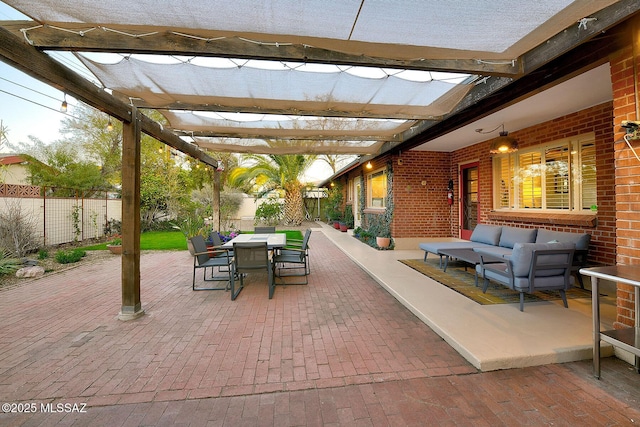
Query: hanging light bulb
[
  {"x": 109, "y": 125},
  {"x": 63, "y": 107},
  {"x": 369, "y": 165}
]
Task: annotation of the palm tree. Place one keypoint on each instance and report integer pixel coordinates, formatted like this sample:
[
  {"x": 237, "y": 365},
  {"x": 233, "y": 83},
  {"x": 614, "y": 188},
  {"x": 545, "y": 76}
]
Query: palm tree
[{"x": 277, "y": 171}]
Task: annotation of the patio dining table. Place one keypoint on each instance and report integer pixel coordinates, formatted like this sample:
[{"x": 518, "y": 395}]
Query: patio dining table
[{"x": 274, "y": 240}]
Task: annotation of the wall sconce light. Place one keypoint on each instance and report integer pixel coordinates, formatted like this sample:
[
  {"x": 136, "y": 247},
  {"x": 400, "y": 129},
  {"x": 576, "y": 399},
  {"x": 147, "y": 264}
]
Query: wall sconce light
[
  {"x": 502, "y": 144},
  {"x": 64, "y": 105},
  {"x": 369, "y": 165}
]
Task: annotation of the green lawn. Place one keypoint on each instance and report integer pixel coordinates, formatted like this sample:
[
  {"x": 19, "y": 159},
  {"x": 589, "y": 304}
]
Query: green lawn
[{"x": 172, "y": 240}]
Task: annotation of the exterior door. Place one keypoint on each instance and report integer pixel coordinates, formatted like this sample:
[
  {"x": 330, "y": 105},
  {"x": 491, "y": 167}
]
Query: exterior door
[{"x": 469, "y": 196}]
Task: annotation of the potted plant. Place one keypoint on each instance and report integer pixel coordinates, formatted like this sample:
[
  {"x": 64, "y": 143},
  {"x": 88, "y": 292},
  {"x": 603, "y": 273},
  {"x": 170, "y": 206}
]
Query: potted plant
[
  {"x": 383, "y": 239},
  {"x": 190, "y": 226},
  {"x": 115, "y": 246},
  {"x": 348, "y": 217}
]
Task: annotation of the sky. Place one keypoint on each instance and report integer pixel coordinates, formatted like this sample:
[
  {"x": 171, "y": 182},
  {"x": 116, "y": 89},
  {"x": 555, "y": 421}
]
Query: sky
[{"x": 29, "y": 107}]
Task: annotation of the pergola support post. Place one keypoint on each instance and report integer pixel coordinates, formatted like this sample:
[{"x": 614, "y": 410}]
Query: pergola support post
[
  {"x": 131, "y": 304},
  {"x": 217, "y": 224}
]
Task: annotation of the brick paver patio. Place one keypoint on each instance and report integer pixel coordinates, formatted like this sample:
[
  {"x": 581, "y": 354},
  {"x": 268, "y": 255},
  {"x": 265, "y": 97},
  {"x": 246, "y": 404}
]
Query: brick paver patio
[{"x": 340, "y": 351}]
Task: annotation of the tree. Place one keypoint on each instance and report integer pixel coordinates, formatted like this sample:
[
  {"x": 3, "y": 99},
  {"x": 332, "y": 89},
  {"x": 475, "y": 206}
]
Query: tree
[
  {"x": 55, "y": 165},
  {"x": 89, "y": 130},
  {"x": 275, "y": 171},
  {"x": 4, "y": 131}
]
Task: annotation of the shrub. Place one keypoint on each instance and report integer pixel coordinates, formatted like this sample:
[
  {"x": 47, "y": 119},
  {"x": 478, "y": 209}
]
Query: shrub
[
  {"x": 70, "y": 256},
  {"x": 43, "y": 254},
  {"x": 17, "y": 230},
  {"x": 191, "y": 226},
  {"x": 113, "y": 226},
  {"x": 230, "y": 202},
  {"x": 333, "y": 203},
  {"x": 269, "y": 212},
  {"x": 8, "y": 265}
]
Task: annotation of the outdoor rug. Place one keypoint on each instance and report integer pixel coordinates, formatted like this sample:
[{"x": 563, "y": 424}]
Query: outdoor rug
[{"x": 463, "y": 282}]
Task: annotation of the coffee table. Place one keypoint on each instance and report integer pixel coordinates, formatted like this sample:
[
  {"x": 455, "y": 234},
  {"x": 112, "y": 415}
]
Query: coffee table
[{"x": 468, "y": 256}]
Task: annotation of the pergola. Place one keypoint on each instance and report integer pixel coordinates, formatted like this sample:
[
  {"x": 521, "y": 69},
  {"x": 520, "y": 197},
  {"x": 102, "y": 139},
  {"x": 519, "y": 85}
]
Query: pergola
[{"x": 319, "y": 76}]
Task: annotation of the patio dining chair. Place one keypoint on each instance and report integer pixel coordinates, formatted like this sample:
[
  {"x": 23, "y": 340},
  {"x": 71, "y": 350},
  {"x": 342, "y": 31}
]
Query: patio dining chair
[
  {"x": 216, "y": 259},
  {"x": 252, "y": 257},
  {"x": 293, "y": 261},
  {"x": 264, "y": 230},
  {"x": 216, "y": 241}
]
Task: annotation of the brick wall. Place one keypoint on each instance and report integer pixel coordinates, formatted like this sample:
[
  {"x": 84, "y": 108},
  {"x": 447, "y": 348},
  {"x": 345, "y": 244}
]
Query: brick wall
[
  {"x": 625, "y": 76},
  {"x": 596, "y": 119},
  {"x": 420, "y": 194}
]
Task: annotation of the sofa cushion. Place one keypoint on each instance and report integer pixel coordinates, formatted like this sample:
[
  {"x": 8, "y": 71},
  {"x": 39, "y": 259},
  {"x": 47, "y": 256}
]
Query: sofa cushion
[
  {"x": 581, "y": 240},
  {"x": 512, "y": 235},
  {"x": 523, "y": 253},
  {"x": 489, "y": 234}
]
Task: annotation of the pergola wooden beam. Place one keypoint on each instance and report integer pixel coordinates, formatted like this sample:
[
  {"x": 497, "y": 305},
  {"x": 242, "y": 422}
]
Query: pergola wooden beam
[
  {"x": 579, "y": 33},
  {"x": 319, "y": 136},
  {"x": 502, "y": 92},
  {"x": 249, "y": 107},
  {"x": 232, "y": 45}
]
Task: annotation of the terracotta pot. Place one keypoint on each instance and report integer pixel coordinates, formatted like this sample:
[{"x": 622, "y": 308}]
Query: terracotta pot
[
  {"x": 336, "y": 225},
  {"x": 343, "y": 227},
  {"x": 383, "y": 242},
  {"x": 115, "y": 249}
]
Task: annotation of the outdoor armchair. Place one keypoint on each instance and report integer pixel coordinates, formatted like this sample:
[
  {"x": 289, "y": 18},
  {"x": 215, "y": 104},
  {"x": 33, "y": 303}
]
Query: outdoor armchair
[
  {"x": 216, "y": 259},
  {"x": 531, "y": 267},
  {"x": 294, "y": 261}
]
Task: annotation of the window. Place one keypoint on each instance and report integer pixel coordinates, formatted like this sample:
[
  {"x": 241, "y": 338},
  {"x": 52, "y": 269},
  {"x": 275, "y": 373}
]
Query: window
[
  {"x": 560, "y": 176},
  {"x": 377, "y": 189}
]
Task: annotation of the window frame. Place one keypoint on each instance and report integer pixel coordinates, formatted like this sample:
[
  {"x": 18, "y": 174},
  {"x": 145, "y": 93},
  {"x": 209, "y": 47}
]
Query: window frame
[
  {"x": 509, "y": 187},
  {"x": 369, "y": 187}
]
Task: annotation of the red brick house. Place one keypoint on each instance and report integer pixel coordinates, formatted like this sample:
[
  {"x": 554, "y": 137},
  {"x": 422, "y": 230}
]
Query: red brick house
[{"x": 593, "y": 189}]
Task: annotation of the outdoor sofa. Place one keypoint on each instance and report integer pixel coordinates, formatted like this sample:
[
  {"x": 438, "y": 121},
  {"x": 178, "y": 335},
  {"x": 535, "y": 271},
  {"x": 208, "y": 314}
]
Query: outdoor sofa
[{"x": 499, "y": 241}]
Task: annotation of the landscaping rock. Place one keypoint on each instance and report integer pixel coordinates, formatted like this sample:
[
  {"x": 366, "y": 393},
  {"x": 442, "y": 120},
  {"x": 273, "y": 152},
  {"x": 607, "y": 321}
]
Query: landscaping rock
[{"x": 29, "y": 272}]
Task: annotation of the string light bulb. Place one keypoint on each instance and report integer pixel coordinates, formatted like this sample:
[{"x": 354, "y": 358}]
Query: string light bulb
[
  {"x": 109, "y": 125},
  {"x": 64, "y": 105},
  {"x": 369, "y": 165}
]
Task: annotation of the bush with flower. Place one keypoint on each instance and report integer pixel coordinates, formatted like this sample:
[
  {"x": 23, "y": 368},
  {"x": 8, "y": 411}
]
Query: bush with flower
[{"x": 228, "y": 236}]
